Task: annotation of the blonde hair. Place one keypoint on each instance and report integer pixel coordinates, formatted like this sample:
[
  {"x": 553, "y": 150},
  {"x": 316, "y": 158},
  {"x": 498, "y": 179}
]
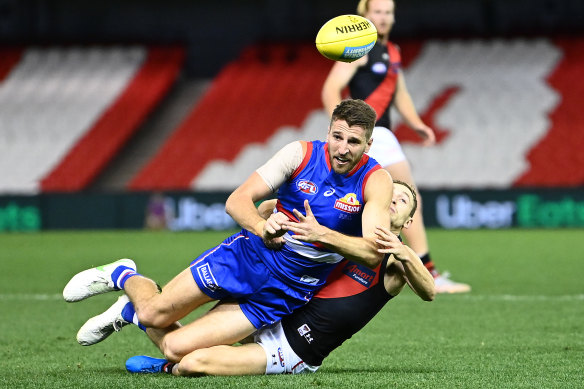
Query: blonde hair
[{"x": 363, "y": 7}]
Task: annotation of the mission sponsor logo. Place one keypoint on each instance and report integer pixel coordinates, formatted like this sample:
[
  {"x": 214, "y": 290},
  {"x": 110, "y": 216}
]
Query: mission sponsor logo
[
  {"x": 348, "y": 204},
  {"x": 307, "y": 187},
  {"x": 361, "y": 274}
]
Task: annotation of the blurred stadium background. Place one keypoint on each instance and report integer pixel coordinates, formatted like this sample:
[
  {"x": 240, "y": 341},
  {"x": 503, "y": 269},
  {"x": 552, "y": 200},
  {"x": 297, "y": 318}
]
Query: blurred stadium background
[{"x": 105, "y": 103}]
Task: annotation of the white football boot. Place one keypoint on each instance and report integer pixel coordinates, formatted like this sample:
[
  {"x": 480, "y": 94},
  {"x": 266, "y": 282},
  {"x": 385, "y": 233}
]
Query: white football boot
[
  {"x": 444, "y": 284},
  {"x": 103, "y": 325},
  {"x": 94, "y": 281}
]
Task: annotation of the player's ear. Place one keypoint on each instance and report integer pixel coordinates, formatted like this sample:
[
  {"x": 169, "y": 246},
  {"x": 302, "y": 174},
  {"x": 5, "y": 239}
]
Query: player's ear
[
  {"x": 408, "y": 223},
  {"x": 369, "y": 143}
]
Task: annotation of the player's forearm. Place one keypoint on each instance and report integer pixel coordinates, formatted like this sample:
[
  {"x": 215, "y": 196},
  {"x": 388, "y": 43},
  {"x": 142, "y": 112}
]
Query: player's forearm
[
  {"x": 356, "y": 249},
  {"x": 419, "y": 278},
  {"x": 405, "y": 105},
  {"x": 244, "y": 212},
  {"x": 407, "y": 110},
  {"x": 331, "y": 97}
]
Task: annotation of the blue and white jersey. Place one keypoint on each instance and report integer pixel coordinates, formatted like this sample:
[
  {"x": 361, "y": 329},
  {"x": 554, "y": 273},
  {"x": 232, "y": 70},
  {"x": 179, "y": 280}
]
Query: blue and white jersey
[{"x": 336, "y": 201}]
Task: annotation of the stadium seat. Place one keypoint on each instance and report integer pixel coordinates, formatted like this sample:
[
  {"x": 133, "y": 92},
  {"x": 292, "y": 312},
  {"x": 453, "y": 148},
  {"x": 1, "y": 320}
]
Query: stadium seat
[{"x": 52, "y": 98}]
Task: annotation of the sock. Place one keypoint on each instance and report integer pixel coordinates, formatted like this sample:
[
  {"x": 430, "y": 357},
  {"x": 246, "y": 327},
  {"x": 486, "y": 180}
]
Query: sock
[
  {"x": 167, "y": 368},
  {"x": 121, "y": 274},
  {"x": 427, "y": 261},
  {"x": 129, "y": 315}
]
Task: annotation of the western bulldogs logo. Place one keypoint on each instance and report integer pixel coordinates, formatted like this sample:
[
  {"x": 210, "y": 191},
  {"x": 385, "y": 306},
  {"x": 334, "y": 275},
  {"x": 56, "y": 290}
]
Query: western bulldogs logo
[
  {"x": 359, "y": 273},
  {"x": 307, "y": 187},
  {"x": 348, "y": 204}
]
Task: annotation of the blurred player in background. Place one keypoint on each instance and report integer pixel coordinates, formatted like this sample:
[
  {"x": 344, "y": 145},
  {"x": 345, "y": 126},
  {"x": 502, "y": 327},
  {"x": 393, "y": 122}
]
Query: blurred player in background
[
  {"x": 378, "y": 79},
  {"x": 352, "y": 296}
]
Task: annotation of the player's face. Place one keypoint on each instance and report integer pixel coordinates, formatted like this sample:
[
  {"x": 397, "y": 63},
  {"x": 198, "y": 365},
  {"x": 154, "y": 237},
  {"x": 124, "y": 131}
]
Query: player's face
[
  {"x": 346, "y": 146},
  {"x": 401, "y": 206},
  {"x": 381, "y": 13}
]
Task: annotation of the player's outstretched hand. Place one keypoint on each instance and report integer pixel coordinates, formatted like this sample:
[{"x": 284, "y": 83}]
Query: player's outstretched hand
[
  {"x": 274, "y": 226},
  {"x": 307, "y": 228},
  {"x": 389, "y": 243},
  {"x": 427, "y": 135}
]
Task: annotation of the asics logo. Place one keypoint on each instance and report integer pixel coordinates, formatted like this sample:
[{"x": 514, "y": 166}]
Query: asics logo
[{"x": 329, "y": 192}]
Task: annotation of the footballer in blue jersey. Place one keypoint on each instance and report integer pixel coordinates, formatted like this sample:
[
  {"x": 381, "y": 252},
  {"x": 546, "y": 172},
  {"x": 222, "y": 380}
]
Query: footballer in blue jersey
[{"x": 331, "y": 197}]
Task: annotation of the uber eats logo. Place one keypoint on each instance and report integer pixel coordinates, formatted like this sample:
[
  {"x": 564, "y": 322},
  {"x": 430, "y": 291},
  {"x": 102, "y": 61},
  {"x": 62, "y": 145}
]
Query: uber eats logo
[
  {"x": 535, "y": 211},
  {"x": 526, "y": 210},
  {"x": 19, "y": 218}
]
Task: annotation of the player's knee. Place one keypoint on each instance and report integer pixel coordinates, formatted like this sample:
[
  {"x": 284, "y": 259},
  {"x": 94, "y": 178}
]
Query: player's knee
[
  {"x": 152, "y": 317},
  {"x": 173, "y": 347},
  {"x": 196, "y": 363}
]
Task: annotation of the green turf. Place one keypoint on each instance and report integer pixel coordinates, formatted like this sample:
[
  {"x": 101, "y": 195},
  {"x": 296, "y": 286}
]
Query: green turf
[{"x": 522, "y": 326}]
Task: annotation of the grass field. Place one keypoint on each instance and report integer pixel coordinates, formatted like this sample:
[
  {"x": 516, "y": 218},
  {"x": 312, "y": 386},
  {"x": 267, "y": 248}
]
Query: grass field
[{"x": 522, "y": 326}]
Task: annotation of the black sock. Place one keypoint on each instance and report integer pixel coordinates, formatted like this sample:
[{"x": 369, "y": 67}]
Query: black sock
[{"x": 427, "y": 261}]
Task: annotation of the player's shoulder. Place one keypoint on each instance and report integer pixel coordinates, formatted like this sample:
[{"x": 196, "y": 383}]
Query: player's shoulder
[
  {"x": 381, "y": 175},
  {"x": 295, "y": 147},
  {"x": 379, "y": 183}
]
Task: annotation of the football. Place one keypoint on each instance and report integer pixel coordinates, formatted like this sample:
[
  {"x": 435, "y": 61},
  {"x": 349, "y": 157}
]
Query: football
[{"x": 346, "y": 38}]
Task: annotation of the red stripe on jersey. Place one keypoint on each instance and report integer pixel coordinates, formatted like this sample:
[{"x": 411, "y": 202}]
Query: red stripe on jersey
[
  {"x": 362, "y": 162},
  {"x": 377, "y": 167},
  {"x": 280, "y": 208},
  {"x": 326, "y": 153},
  {"x": 381, "y": 97},
  {"x": 304, "y": 160}
]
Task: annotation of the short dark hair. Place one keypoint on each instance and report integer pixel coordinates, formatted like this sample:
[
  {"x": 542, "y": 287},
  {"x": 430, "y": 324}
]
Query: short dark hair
[
  {"x": 413, "y": 192},
  {"x": 356, "y": 113}
]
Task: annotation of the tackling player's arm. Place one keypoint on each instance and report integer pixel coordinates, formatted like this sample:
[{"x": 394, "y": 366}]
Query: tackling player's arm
[
  {"x": 265, "y": 180},
  {"x": 364, "y": 250},
  {"x": 404, "y": 267},
  {"x": 338, "y": 78},
  {"x": 266, "y": 208}
]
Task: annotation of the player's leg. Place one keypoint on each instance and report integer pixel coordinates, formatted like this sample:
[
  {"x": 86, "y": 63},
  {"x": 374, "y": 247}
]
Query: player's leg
[
  {"x": 160, "y": 309},
  {"x": 201, "y": 347},
  {"x": 154, "y": 311},
  {"x": 247, "y": 359},
  {"x": 225, "y": 324}
]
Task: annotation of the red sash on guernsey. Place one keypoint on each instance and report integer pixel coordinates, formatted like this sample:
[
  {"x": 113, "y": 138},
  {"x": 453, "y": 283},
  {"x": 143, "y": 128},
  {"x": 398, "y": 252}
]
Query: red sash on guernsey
[{"x": 382, "y": 96}]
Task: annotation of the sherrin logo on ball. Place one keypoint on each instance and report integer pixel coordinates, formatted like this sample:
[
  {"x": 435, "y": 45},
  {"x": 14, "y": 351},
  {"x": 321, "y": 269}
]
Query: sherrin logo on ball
[{"x": 346, "y": 38}]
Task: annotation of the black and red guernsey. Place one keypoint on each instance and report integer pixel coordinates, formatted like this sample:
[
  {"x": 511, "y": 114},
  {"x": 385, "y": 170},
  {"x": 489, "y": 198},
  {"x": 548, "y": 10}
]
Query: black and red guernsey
[
  {"x": 352, "y": 296},
  {"x": 375, "y": 82}
]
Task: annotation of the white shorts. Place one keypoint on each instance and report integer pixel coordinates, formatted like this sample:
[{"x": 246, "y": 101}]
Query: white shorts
[
  {"x": 385, "y": 148},
  {"x": 279, "y": 355}
]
